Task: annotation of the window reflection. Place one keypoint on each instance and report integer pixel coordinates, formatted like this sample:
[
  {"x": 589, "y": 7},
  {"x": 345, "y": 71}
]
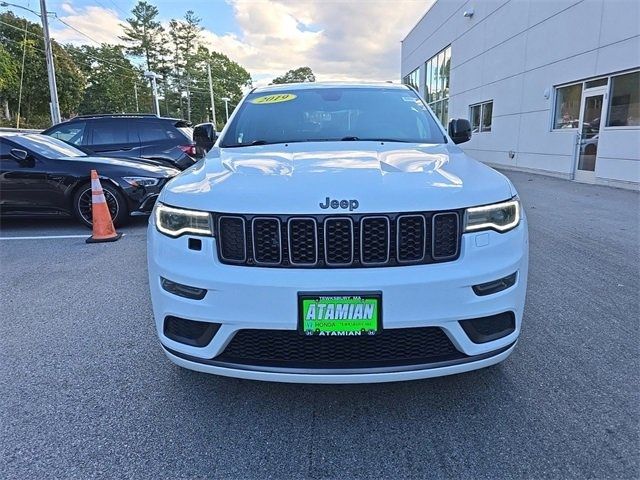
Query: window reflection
[
  {"x": 624, "y": 103},
  {"x": 481, "y": 117},
  {"x": 567, "y": 111},
  {"x": 437, "y": 74}
]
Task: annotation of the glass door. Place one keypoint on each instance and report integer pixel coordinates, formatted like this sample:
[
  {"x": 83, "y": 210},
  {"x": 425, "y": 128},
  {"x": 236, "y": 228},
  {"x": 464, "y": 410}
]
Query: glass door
[{"x": 591, "y": 119}]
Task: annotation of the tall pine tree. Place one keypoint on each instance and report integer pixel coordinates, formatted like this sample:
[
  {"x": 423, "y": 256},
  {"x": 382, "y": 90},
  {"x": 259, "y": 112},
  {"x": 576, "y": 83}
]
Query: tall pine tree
[{"x": 144, "y": 35}]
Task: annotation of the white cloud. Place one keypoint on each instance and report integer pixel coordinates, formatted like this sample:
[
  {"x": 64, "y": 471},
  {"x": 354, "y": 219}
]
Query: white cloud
[
  {"x": 68, "y": 8},
  {"x": 338, "y": 39},
  {"x": 100, "y": 24}
]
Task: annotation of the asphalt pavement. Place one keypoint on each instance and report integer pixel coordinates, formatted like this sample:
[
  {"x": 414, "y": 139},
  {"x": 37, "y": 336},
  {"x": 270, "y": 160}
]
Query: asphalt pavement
[{"x": 86, "y": 391}]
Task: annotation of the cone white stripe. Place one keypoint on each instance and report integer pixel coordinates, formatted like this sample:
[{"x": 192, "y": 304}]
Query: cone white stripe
[
  {"x": 95, "y": 184},
  {"x": 98, "y": 198}
]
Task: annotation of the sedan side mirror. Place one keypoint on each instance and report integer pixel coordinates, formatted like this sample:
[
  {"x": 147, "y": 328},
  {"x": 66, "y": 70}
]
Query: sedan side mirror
[
  {"x": 460, "y": 130},
  {"x": 20, "y": 155}
]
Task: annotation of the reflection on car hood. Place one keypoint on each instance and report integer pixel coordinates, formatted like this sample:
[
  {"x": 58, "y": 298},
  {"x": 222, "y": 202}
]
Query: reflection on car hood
[
  {"x": 296, "y": 178},
  {"x": 151, "y": 166}
]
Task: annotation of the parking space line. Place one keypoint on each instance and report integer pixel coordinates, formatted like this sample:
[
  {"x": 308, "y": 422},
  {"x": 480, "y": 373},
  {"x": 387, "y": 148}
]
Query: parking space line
[{"x": 45, "y": 237}]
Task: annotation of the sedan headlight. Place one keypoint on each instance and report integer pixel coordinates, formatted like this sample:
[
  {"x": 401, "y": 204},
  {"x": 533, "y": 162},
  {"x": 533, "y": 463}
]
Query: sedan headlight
[
  {"x": 177, "y": 221},
  {"x": 499, "y": 216},
  {"x": 141, "y": 181}
]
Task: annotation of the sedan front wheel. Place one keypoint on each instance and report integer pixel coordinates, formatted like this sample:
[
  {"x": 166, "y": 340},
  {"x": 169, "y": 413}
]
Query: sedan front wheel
[{"x": 82, "y": 204}]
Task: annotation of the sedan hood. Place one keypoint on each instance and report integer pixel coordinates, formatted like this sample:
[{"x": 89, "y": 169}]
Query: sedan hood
[
  {"x": 299, "y": 177},
  {"x": 143, "y": 165}
]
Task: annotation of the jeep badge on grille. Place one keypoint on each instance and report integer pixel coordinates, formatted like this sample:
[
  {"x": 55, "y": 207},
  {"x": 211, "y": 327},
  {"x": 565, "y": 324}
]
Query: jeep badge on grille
[{"x": 344, "y": 204}]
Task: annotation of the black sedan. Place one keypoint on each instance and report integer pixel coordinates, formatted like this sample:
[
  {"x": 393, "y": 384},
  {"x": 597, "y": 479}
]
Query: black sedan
[{"x": 44, "y": 176}]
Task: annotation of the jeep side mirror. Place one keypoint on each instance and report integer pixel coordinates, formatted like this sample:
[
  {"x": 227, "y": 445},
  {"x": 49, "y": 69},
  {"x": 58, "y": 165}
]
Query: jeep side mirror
[
  {"x": 460, "y": 130},
  {"x": 20, "y": 155},
  {"x": 205, "y": 136}
]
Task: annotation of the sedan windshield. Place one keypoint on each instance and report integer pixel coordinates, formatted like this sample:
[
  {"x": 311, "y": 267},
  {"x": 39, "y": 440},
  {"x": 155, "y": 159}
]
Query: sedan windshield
[
  {"x": 333, "y": 114},
  {"x": 46, "y": 146}
]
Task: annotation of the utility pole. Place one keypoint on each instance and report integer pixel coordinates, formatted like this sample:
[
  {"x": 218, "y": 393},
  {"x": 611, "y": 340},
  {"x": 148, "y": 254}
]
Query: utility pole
[
  {"x": 154, "y": 88},
  {"x": 135, "y": 91},
  {"x": 213, "y": 106},
  {"x": 51, "y": 69},
  {"x": 188, "y": 98},
  {"x": 226, "y": 106}
]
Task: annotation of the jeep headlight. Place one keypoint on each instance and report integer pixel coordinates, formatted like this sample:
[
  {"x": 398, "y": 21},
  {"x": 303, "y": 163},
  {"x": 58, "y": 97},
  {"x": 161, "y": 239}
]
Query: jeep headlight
[
  {"x": 177, "y": 221},
  {"x": 501, "y": 217}
]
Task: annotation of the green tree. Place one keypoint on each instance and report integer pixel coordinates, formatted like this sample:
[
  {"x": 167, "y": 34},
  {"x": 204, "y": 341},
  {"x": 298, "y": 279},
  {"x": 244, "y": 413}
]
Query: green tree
[
  {"x": 8, "y": 80},
  {"x": 35, "y": 88},
  {"x": 185, "y": 35},
  {"x": 299, "y": 75},
  {"x": 228, "y": 79},
  {"x": 112, "y": 80},
  {"x": 144, "y": 35}
]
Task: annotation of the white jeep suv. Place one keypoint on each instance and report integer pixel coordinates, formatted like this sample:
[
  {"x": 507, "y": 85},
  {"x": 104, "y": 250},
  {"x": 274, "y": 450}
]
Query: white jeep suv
[{"x": 336, "y": 234}]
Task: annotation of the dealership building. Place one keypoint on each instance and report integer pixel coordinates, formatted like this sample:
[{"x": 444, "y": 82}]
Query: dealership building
[{"x": 549, "y": 86}]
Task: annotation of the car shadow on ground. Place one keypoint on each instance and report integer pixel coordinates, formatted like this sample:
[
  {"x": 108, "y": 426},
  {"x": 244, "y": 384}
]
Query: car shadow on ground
[{"x": 42, "y": 227}]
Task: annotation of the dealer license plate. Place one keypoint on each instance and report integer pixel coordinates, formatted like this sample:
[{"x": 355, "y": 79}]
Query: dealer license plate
[{"x": 340, "y": 314}]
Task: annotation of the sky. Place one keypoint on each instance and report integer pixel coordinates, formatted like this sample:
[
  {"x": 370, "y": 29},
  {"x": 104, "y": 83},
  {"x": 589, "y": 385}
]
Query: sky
[{"x": 338, "y": 39}]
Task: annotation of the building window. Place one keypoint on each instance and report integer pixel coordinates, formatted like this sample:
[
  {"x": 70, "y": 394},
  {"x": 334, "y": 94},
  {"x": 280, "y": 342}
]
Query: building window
[
  {"x": 436, "y": 84},
  {"x": 413, "y": 79},
  {"x": 567, "y": 111},
  {"x": 481, "y": 116},
  {"x": 624, "y": 101}
]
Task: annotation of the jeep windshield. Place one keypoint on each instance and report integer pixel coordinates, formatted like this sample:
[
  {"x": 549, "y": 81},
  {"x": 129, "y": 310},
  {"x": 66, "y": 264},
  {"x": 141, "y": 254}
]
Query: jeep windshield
[{"x": 332, "y": 114}]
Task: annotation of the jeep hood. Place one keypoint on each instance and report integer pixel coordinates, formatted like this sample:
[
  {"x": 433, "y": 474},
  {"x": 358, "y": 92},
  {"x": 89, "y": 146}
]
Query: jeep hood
[{"x": 297, "y": 177}]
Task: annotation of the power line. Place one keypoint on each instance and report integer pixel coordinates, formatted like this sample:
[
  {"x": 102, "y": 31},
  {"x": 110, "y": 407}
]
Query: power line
[
  {"x": 78, "y": 31},
  {"x": 109, "y": 8},
  {"x": 116, "y": 5},
  {"x": 22, "y": 43},
  {"x": 86, "y": 54},
  {"x": 20, "y": 29}
]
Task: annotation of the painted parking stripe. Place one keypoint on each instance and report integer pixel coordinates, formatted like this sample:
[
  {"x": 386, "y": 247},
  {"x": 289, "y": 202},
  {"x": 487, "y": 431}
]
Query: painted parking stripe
[{"x": 46, "y": 237}]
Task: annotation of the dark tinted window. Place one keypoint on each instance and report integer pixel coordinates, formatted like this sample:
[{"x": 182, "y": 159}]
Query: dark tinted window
[
  {"x": 5, "y": 149},
  {"x": 150, "y": 131},
  {"x": 112, "y": 131},
  {"x": 71, "y": 132},
  {"x": 329, "y": 114}
]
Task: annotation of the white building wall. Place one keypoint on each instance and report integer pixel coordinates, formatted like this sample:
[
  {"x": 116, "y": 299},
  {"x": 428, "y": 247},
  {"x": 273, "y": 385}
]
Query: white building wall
[{"x": 514, "y": 52}]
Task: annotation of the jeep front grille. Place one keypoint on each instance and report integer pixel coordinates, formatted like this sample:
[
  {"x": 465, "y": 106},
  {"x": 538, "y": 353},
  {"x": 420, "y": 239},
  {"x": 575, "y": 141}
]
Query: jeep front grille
[{"x": 338, "y": 241}]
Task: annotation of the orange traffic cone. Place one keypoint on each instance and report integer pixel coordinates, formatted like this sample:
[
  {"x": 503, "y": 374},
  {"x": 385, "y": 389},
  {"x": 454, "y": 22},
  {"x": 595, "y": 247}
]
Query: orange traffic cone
[{"x": 103, "y": 230}]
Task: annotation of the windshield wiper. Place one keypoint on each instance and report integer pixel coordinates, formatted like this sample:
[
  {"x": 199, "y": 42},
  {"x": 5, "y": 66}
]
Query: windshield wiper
[{"x": 353, "y": 139}]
